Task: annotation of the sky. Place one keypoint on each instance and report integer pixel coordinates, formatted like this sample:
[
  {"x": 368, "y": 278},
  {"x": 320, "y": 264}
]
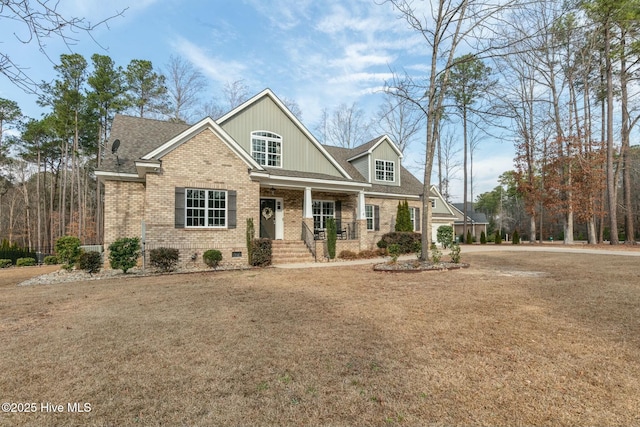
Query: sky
[{"x": 318, "y": 53}]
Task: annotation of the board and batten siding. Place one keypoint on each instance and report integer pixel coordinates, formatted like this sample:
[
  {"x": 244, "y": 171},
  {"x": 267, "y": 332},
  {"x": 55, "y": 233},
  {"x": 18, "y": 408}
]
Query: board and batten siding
[
  {"x": 362, "y": 165},
  {"x": 384, "y": 151},
  {"x": 298, "y": 153}
]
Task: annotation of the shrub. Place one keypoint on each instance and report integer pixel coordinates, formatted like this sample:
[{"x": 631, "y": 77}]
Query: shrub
[
  {"x": 483, "y": 238},
  {"x": 212, "y": 258},
  {"x": 406, "y": 240},
  {"x": 498, "y": 239},
  {"x": 516, "y": 238},
  {"x": 25, "y": 262},
  {"x": 68, "y": 250},
  {"x": 261, "y": 252},
  {"x": 445, "y": 235},
  {"x": 50, "y": 260},
  {"x": 249, "y": 236},
  {"x": 436, "y": 254},
  {"x": 332, "y": 236},
  {"x": 365, "y": 254},
  {"x": 455, "y": 253},
  {"x": 403, "y": 217},
  {"x": 4, "y": 263},
  {"x": 394, "y": 251},
  {"x": 382, "y": 244},
  {"x": 91, "y": 262},
  {"x": 164, "y": 259},
  {"x": 124, "y": 253},
  {"x": 469, "y": 238},
  {"x": 12, "y": 251},
  {"x": 347, "y": 254}
]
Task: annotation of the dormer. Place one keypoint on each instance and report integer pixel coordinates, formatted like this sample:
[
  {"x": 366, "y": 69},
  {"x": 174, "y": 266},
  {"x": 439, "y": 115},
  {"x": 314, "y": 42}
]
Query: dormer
[{"x": 378, "y": 161}]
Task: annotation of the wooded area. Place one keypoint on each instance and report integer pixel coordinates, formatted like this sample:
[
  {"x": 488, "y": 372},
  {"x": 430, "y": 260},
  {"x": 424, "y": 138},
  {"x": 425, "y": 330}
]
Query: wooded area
[{"x": 559, "y": 80}]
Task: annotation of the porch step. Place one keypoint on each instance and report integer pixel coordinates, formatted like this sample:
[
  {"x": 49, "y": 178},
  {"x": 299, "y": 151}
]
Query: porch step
[{"x": 289, "y": 251}]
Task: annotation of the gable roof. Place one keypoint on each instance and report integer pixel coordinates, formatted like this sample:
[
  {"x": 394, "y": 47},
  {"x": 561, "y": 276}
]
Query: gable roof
[
  {"x": 269, "y": 94},
  {"x": 472, "y": 215},
  {"x": 369, "y": 147}
]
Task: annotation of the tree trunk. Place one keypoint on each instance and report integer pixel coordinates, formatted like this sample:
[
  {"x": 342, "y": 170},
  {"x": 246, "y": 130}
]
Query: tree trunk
[{"x": 611, "y": 181}]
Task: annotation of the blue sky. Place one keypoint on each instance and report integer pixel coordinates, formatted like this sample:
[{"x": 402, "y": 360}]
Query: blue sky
[{"x": 318, "y": 53}]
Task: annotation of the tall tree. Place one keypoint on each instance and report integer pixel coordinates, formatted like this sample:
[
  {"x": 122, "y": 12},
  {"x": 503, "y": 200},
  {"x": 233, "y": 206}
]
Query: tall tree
[
  {"x": 347, "y": 126},
  {"x": 184, "y": 84},
  {"x": 469, "y": 80},
  {"x": 10, "y": 115},
  {"x": 146, "y": 89},
  {"x": 400, "y": 120}
]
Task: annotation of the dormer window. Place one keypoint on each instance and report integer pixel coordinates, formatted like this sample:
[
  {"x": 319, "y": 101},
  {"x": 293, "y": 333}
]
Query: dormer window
[
  {"x": 385, "y": 170},
  {"x": 266, "y": 148}
]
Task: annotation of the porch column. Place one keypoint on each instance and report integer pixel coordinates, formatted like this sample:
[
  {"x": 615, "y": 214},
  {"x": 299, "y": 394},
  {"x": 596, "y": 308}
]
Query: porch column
[
  {"x": 362, "y": 213},
  {"x": 308, "y": 204}
]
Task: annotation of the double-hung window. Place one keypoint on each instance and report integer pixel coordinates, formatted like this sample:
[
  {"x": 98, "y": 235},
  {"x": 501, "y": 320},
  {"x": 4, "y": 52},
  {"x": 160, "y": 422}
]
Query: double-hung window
[
  {"x": 322, "y": 210},
  {"x": 385, "y": 170},
  {"x": 370, "y": 215},
  {"x": 415, "y": 218},
  {"x": 205, "y": 208},
  {"x": 266, "y": 148}
]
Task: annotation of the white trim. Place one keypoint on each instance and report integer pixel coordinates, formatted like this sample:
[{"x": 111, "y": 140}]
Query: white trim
[
  {"x": 294, "y": 119},
  {"x": 206, "y": 123},
  {"x": 374, "y": 146},
  {"x": 392, "y": 196},
  {"x": 278, "y": 138},
  {"x": 206, "y": 209},
  {"x": 267, "y": 178},
  {"x": 119, "y": 176},
  {"x": 375, "y": 170},
  {"x": 439, "y": 196}
]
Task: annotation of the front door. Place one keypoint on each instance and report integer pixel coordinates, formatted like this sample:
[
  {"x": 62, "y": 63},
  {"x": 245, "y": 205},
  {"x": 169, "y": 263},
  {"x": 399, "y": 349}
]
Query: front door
[{"x": 271, "y": 219}]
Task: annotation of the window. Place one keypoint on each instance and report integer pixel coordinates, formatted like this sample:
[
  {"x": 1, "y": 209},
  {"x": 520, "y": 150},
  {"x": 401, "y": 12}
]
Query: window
[
  {"x": 321, "y": 211},
  {"x": 266, "y": 148},
  {"x": 369, "y": 213},
  {"x": 385, "y": 170},
  {"x": 415, "y": 218},
  {"x": 205, "y": 208}
]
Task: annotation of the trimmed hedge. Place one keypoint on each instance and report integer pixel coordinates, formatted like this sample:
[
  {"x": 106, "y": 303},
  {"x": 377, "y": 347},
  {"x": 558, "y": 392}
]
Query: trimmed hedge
[
  {"x": 13, "y": 252},
  {"x": 26, "y": 262},
  {"x": 91, "y": 262},
  {"x": 261, "y": 254},
  {"x": 50, "y": 260},
  {"x": 4, "y": 263},
  {"x": 164, "y": 259},
  {"x": 406, "y": 240},
  {"x": 212, "y": 257}
]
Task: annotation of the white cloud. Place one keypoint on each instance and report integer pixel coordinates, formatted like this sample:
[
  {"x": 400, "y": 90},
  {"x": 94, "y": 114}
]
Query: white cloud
[{"x": 221, "y": 70}]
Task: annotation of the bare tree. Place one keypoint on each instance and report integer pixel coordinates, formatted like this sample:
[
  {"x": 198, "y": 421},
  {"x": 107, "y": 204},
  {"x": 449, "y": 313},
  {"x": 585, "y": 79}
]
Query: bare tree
[
  {"x": 400, "y": 120},
  {"x": 40, "y": 20},
  {"x": 347, "y": 127},
  {"x": 184, "y": 85}
]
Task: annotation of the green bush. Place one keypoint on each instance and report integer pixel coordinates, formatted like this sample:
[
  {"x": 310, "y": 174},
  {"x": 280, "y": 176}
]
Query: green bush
[
  {"x": 250, "y": 235},
  {"x": 50, "y": 260},
  {"x": 164, "y": 259},
  {"x": 405, "y": 239},
  {"x": 498, "y": 239},
  {"x": 212, "y": 258},
  {"x": 12, "y": 251},
  {"x": 261, "y": 252},
  {"x": 455, "y": 253},
  {"x": 124, "y": 253},
  {"x": 516, "y": 238},
  {"x": 68, "y": 250},
  {"x": 469, "y": 239},
  {"x": 394, "y": 251},
  {"x": 445, "y": 235},
  {"x": 91, "y": 262},
  {"x": 25, "y": 262},
  {"x": 332, "y": 236},
  {"x": 403, "y": 217},
  {"x": 436, "y": 254},
  {"x": 483, "y": 238},
  {"x": 4, "y": 263}
]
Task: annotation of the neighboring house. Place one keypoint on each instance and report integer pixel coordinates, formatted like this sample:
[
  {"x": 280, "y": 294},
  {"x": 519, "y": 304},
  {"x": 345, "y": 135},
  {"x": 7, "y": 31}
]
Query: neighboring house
[
  {"x": 194, "y": 187},
  {"x": 476, "y": 221}
]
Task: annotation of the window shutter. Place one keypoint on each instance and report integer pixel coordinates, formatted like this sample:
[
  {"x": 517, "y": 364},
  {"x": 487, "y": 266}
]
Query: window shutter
[
  {"x": 338, "y": 214},
  {"x": 376, "y": 218},
  {"x": 179, "y": 216},
  {"x": 231, "y": 209},
  {"x": 417, "y": 218}
]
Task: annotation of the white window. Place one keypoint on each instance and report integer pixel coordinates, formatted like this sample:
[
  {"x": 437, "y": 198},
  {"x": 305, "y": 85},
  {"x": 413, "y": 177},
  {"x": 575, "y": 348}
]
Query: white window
[
  {"x": 266, "y": 148},
  {"x": 414, "y": 212},
  {"x": 322, "y": 210},
  {"x": 385, "y": 170},
  {"x": 205, "y": 208},
  {"x": 370, "y": 214}
]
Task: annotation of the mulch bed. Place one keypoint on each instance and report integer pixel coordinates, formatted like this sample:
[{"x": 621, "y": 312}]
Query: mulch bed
[{"x": 415, "y": 266}]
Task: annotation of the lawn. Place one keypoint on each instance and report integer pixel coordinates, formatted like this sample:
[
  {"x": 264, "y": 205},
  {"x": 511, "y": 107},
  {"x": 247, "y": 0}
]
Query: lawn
[{"x": 516, "y": 339}]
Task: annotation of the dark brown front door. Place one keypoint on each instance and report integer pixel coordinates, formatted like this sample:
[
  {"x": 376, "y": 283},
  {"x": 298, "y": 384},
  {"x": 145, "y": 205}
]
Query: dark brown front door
[{"x": 268, "y": 218}]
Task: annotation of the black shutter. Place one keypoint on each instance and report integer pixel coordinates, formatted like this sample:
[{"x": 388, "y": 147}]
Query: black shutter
[
  {"x": 231, "y": 208},
  {"x": 376, "y": 218},
  {"x": 179, "y": 216},
  {"x": 417, "y": 218},
  {"x": 338, "y": 214}
]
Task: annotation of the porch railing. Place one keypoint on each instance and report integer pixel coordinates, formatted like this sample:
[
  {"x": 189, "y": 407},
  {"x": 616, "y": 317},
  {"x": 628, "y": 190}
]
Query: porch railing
[{"x": 309, "y": 239}]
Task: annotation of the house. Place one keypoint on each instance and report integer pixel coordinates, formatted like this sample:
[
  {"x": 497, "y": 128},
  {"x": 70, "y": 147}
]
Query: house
[
  {"x": 194, "y": 187},
  {"x": 476, "y": 221}
]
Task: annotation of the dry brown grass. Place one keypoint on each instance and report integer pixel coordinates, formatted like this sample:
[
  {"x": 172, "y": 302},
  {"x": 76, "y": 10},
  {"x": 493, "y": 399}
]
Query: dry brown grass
[{"x": 517, "y": 339}]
